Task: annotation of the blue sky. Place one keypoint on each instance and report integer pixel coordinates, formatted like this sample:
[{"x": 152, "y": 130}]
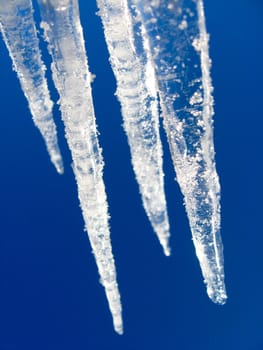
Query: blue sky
[{"x": 50, "y": 297}]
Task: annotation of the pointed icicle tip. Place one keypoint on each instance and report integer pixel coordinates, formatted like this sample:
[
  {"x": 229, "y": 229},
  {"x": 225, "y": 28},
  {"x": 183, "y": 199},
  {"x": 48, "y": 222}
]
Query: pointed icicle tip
[
  {"x": 167, "y": 250},
  {"x": 163, "y": 235},
  {"x": 56, "y": 160},
  {"x": 59, "y": 166},
  {"x": 118, "y": 326}
]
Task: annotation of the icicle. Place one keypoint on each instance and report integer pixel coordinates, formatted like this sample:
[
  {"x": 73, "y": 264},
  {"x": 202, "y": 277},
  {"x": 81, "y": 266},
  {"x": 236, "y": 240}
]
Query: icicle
[
  {"x": 19, "y": 33},
  {"x": 179, "y": 47},
  {"x": 72, "y": 79},
  {"x": 136, "y": 92}
]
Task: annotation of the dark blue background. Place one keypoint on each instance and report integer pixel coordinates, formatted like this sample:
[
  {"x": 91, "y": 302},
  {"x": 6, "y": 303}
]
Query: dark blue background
[{"x": 50, "y": 297}]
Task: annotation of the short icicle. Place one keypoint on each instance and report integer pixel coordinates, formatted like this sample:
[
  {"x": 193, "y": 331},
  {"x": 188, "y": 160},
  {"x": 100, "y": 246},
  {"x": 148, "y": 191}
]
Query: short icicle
[
  {"x": 63, "y": 32},
  {"x": 136, "y": 91},
  {"x": 20, "y": 36},
  {"x": 179, "y": 47}
]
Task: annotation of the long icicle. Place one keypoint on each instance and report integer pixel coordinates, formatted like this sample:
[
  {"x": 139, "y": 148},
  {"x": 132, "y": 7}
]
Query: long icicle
[
  {"x": 63, "y": 32},
  {"x": 179, "y": 47},
  {"x": 20, "y": 36},
  {"x": 136, "y": 92}
]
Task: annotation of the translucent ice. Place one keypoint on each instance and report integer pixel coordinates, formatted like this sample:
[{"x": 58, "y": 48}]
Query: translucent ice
[
  {"x": 138, "y": 97},
  {"x": 19, "y": 33},
  {"x": 63, "y": 32},
  {"x": 159, "y": 55},
  {"x": 179, "y": 48}
]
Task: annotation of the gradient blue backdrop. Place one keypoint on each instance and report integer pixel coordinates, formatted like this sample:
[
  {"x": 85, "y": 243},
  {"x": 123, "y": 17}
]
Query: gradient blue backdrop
[{"x": 50, "y": 297}]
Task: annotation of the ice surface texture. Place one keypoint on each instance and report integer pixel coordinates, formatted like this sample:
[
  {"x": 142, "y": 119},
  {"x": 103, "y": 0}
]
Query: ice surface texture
[
  {"x": 137, "y": 94},
  {"x": 159, "y": 55},
  {"x": 63, "y": 32},
  {"x": 179, "y": 48},
  {"x": 19, "y": 33}
]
